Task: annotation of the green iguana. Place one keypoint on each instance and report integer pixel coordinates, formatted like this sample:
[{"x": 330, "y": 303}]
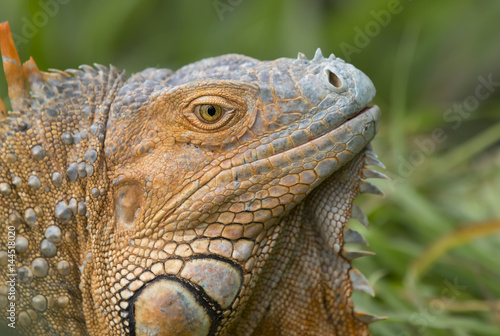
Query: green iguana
[{"x": 211, "y": 200}]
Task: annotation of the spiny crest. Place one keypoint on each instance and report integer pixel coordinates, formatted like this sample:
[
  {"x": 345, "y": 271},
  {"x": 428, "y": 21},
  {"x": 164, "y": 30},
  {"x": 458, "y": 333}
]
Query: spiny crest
[
  {"x": 21, "y": 77},
  {"x": 358, "y": 280},
  {"x": 16, "y": 79},
  {"x": 318, "y": 56},
  {"x": 351, "y": 236},
  {"x": 301, "y": 56}
]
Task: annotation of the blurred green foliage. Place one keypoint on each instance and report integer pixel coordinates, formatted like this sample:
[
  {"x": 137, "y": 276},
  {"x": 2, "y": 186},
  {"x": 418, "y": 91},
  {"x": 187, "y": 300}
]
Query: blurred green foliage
[{"x": 426, "y": 58}]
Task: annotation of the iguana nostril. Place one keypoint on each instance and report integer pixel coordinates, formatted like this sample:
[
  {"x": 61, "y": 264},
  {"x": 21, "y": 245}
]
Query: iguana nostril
[{"x": 334, "y": 79}]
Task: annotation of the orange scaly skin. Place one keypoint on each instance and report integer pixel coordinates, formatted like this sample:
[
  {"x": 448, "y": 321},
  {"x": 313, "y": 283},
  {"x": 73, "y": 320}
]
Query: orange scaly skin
[{"x": 212, "y": 200}]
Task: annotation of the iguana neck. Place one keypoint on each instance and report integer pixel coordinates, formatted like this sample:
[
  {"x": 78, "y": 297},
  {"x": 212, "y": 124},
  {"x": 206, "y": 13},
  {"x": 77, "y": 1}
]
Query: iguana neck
[{"x": 309, "y": 296}]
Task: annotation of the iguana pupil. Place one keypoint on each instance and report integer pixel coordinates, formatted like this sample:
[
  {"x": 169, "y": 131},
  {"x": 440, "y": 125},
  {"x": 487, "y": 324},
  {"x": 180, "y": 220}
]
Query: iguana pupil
[{"x": 211, "y": 111}]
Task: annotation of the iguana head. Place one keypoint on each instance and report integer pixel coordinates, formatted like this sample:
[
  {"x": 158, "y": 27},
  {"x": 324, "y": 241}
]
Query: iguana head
[
  {"x": 206, "y": 201},
  {"x": 203, "y": 164}
]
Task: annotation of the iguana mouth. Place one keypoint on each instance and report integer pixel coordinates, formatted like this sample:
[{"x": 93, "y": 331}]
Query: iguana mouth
[
  {"x": 373, "y": 110},
  {"x": 363, "y": 110}
]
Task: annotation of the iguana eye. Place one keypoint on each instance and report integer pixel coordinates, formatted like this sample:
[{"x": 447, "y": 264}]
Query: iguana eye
[{"x": 209, "y": 113}]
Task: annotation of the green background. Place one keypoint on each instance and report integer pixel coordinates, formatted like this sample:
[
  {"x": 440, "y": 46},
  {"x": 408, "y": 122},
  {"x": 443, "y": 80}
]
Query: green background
[{"x": 435, "y": 234}]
